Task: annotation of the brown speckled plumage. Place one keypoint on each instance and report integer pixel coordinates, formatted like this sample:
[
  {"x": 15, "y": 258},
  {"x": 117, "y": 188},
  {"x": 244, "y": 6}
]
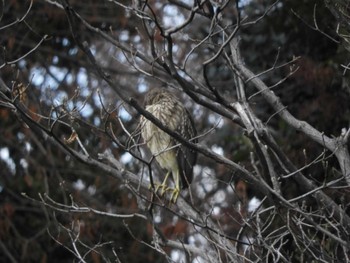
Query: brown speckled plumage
[{"x": 177, "y": 160}]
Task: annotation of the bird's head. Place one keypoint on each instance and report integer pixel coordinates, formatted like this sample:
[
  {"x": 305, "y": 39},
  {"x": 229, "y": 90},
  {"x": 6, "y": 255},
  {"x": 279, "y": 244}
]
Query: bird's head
[{"x": 156, "y": 95}]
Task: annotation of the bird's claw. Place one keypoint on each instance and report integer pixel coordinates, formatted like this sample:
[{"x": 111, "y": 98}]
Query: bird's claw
[
  {"x": 163, "y": 188},
  {"x": 174, "y": 195}
]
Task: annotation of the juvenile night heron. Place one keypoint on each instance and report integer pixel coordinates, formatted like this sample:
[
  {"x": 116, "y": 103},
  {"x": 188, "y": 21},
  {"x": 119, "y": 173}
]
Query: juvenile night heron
[{"x": 177, "y": 159}]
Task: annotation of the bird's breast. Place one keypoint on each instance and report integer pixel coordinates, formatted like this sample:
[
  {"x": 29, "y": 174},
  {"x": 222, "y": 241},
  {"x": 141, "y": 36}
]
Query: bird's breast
[{"x": 159, "y": 142}]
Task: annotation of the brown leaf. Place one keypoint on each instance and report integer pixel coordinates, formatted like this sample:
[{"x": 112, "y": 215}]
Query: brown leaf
[
  {"x": 28, "y": 180},
  {"x": 8, "y": 209}
]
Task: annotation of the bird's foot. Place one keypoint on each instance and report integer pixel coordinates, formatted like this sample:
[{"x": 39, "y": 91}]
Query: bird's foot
[
  {"x": 174, "y": 195},
  {"x": 162, "y": 187}
]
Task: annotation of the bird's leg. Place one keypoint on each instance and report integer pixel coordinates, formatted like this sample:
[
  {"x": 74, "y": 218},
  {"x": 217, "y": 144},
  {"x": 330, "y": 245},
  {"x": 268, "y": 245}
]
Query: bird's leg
[
  {"x": 176, "y": 190},
  {"x": 163, "y": 186}
]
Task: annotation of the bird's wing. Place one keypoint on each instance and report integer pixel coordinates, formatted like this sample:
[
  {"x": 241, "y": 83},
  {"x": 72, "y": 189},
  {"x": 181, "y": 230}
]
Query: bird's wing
[{"x": 186, "y": 157}]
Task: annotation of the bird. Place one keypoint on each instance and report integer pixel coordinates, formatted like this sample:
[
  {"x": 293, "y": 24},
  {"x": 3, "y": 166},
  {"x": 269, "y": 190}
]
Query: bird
[{"x": 177, "y": 159}]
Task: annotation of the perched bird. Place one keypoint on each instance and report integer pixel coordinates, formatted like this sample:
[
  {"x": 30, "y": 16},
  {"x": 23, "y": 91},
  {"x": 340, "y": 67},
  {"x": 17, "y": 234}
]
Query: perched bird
[{"x": 172, "y": 156}]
